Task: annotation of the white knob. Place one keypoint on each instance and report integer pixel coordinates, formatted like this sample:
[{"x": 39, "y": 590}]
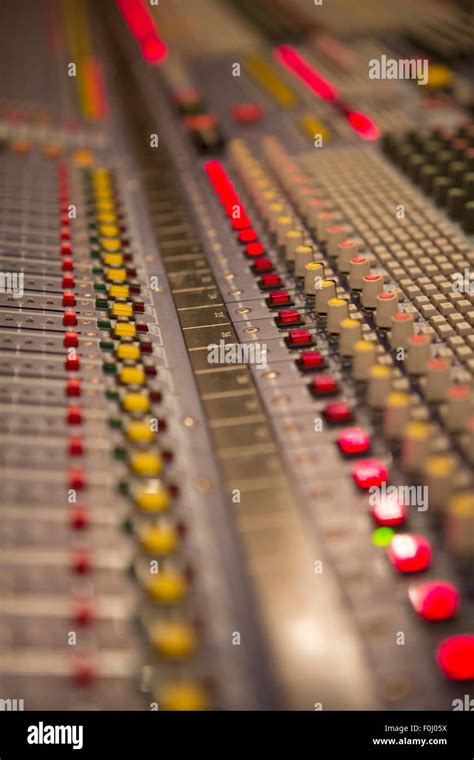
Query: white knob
[
  {"x": 350, "y": 333},
  {"x": 418, "y": 354},
  {"x": 313, "y": 277},
  {"x": 415, "y": 446},
  {"x": 363, "y": 359},
  {"x": 379, "y": 384},
  {"x": 303, "y": 255},
  {"x": 437, "y": 379},
  {"x": 359, "y": 267},
  {"x": 372, "y": 285},
  {"x": 402, "y": 327},
  {"x": 396, "y": 415},
  {"x": 386, "y": 307},
  {"x": 338, "y": 309}
]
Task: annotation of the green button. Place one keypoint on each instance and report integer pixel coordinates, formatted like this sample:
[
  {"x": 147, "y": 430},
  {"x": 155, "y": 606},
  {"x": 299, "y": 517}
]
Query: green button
[
  {"x": 98, "y": 271},
  {"x": 120, "y": 452},
  {"x": 115, "y": 423},
  {"x": 99, "y": 286},
  {"x": 107, "y": 345},
  {"x": 112, "y": 395},
  {"x": 104, "y": 324},
  {"x": 123, "y": 488},
  {"x": 109, "y": 368},
  {"x": 101, "y": 303}
]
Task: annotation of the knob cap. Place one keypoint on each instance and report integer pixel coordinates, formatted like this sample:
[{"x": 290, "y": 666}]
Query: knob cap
[
  {"x": 324, "y": 294},
  {"x": 458, "y": 407},
  {"x": 402, "y": 328},
  {"x": 313, "y": 277},
  {"x": 386, "y": 305},
  {"x": 372, "y": 286},
  {"x": 346, "y": 250},
  {"x": 359, "y": 267},
  {"x": 363, "y": 359},
  {"x": 350, "y": 333},
  {"x": 397, "y": 413},
  {"x": 338, "y": 309},
  {"x": 415, "y": 446},
  {"x": 439, "y": 477},
  {"x": 418, "y": 354},
  {"x": 437, "y": 379},
  {"x": 379, "y": 385},
  {"x": 293, "y": 239},
  {"x": 303, "y": 255}
]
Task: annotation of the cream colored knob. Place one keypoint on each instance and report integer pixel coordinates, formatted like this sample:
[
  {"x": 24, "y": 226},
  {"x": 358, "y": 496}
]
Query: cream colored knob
[
  {"x": 386, "y": 306},
  {"x": 418, "y": 354},
  {"x": 363, "y": 359},
  {"x": 324, "y": 294},
  {"x": 303, "y": 255},
  {"x": 396, "y": 415},
  {"x": 437, "y": 379},
  {"x": 350, "y": 333},
  {"x": 372, "y": 286},
  {"x": 338, "y": 309},
  {"x": 313, "y": 277},
  {"x": 379, "y": 384},
  {"x": 402, "y": 327},
  {"x": 415, "y": 446},
  {"x": 324, "y": 220},
  {"x": 359, "y": 267},
  {"x": 284, "y": 225},
  {"x": 293, "y": 239},
  {"x": 314, "y": 206},
  {"x": 439, "y": 474},
  {"x": 458, "y": 408},
  {"x": 459, "y": 529},
  {"x": 276, "y": 210},
  {"x": 347, "y": 250},
  {"x": 336, "y": 233}
]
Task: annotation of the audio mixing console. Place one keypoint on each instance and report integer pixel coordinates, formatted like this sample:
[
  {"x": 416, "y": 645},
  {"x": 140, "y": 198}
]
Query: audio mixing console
[{"x": 236, "y": 355}]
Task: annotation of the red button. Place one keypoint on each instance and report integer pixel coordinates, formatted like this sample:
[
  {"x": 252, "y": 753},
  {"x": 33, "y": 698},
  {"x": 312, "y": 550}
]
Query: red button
[
  {"x": 280, "y": 297},
  {"x": 77, "y": 479},
  {"x": 69, "y": 318},
  {"x": 79, "y": 517},
  {"x": 72, "y": 364},
  {"x": 434, "y": 600},
  {"x": 288, "y": 317},
  {"x": 65, "y": 233},
  {"x": 74, "y": 415},
  {"x": 456, "y": 657},
  {"x": 248, "y": 235},
  {"x": 141, "y": 327},
  {"x": 240, "y": 222},
  {"x": 262, "y": 265},
  {"x": 353, "y": 441},
  {"x": 81, "y": 561},
  {"x": 83, "y": 611},
  {"x": 246, "y": 113},
  {"x": 67, "y": 281},
  {"x": 323, "y": 385},
  {"x": 70, "y": 339},
  {"x": 67, "y": 264},
  {"x": 369, "y": 473},
  {"x": 388, "y": 510},
  {"x": 298, "y": 338},
  {"x": 66, "y": 248},
  {"x": 69, "y": 299},
  {"x": 337, "y": 411},
  {"x": 270, "y": 281},
  {"x": 73, "y": 387},
  {"x": 409, "y": 553},
  {"x": 254, "y": 249},
  {"x": 310, "y": 359},
  {"x": 139, "y": 307},
  {"x": 75, "y": 445},
  {"x": 83, "y": 671}
]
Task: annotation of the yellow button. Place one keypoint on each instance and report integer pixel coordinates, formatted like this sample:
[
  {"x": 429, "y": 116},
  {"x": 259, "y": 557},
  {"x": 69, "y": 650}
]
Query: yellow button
[
  {"x": 146, "y": 464},
  {"x": 185, "y": 696},
  {"x": 83, "y": 157},
  {"x": 100, "y": 172},
  {"x": 107, "y": 217},
  {"x": 136, "y": 402},
  {"x": 103, "y": 195},
  {"x": 159, "y": 539},
  {"x": 105, "y": 205},
  {"x": 20, "y": 146},
  {"x": 109, "y": 230},
  {"x": 440, "y": 466},
  {"x": 112, "y": 259},
  {"x": 439, "y": 76},
  {"x": 116, "y": 275},
  {"x": 140, "y": 432},
  {"x": 127, "y": 351},
  {"x": 152, "y": 498},
  {"x": 118, "y": 291},
  {"x": 122, "y": 310},
  {"x": 314, "y": 128},
  {"x": 462, "y": 504},
  {"x": 132, "y": 376},
  {"x": 110, "y": 244},
  {"x": 173, "y": 639},
  {"x": 396, "y": 398},
  {"x": 167, "y": 586},
  {"x": 125, "y": 330}
]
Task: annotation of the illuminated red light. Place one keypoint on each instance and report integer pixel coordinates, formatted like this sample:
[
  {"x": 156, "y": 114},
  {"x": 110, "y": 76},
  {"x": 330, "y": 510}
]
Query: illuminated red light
[
  {"x": 409, "y": 553},
  {"x": 369, "y": 473},
  {"x": 434, "y": 600},
  {"x": 364, "y": 126},
  {"x": 142, "y": 25},
  {"x": 353, "y": 441},
  {"x": 456, "y": 657},
  {"x": 389, "y": 511},
  {"x": 288, "y": 56}
]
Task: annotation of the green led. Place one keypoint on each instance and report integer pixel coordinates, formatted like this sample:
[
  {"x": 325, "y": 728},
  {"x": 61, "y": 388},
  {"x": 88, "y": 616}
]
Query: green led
[
  {"x": 123, "y": 488},
  {"x": 112, "y": 395},
  {"x": 109, "y": 368},
  {"x": 120, "y": 452},
  {"x": 115, "y": 423},
  {"x": 98, "y": 271},
  {"x": 382, "y": 536},
  {"x": 101, "y": 303},
  {"x": 104, "y": 324},
  {"x": 107, "y": 345},
  {"x": 100, "y": 286}
]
